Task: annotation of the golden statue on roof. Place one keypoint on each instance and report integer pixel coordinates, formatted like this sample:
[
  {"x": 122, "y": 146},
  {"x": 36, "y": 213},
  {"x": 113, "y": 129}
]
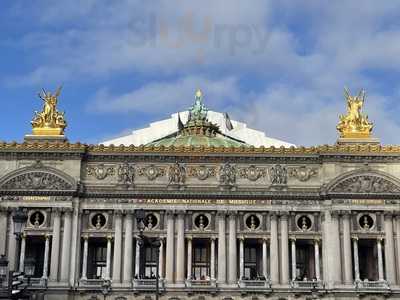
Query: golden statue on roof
[
  {"x": 49, "y": 121},
  {"x": 354, "y": 124}
]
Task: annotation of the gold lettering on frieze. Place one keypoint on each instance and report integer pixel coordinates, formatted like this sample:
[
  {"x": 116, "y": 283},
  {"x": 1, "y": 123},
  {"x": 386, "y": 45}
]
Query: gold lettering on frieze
[
  {"x": 367, "y": 201},
  {"x": 205, "y": 201},
  {"x": 36, "y": 198}
]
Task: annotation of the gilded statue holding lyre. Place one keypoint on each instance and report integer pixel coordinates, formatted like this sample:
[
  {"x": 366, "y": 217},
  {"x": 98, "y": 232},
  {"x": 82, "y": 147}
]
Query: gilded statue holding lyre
[
  {"x": 49, "y": 121},
  {"x": 354, "y": 124}
]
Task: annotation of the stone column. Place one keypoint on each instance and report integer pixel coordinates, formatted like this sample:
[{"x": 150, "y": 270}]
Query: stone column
[
  {"x": 169, "y": 270},
  {"x": 332, "y": 246},
  {"x": 221, "y": 248},
  {"x": 46, "y": 257},
  {"x": 274, "y": 256},
  {"x": 75, "y": 243},
  {"x": 22, "y": 253},
  {"x": 264, "y": 258},
  {"x": 241, "y": 258},
  {"x": 108, "y": 262},
  {"x": 117, "y": 260},
  {"x": 212, "y": 259},
  {"x": 128, "y": 250},
  {"x": 398, "y": 246},
  {"x": 3, "y": 230},
  {"x": 284, "y": 249},
  {"x": 347, "y": 260},
  {"x": 161, "y": 259},
  {"x": 189, "y": 258},
  {"x": 232, "y": 253},
  {"x": 294, "y": 265},
  {"x": 390, "y": 265},
  {"x": 180, "y": 248},
  {"x": 55, "y": 245},
  {"x": 137, "y": 259},
  {"x": 356, "y": 261},
  {"x": 316, "y": 258},
  {"x": 85, "y": 257},
  {"x": 66, "y": 247},
  {"x": 380, "y": 259},
  {"x": 12, "y": 246}
]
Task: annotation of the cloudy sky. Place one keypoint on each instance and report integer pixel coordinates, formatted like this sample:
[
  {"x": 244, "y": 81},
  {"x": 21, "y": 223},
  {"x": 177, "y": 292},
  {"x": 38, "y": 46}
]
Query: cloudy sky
[{"x": 279, "y": 66}]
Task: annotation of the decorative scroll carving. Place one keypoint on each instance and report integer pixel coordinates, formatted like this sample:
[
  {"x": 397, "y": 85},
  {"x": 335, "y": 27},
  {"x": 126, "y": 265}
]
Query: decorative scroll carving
[
  {"x": 365, "y": 184},
  {"x": 252, "y": 173},
  {"x": 100, "y": 171},
  {"x": 151, "y": 172},
  {"x": 201, "y": 172},
  {"x": 37, "y": 180},
  {"x": 126, "y": 173},
  {"x": 177, "y": 174},
  {"x": 278, "y": 175},
  {"x": 227, "y": 174},
  {"x": 303, "y": 173}
]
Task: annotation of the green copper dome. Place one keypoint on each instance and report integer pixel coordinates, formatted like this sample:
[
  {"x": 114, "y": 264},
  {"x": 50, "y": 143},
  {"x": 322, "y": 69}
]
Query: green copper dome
[{"x": 198, "y": 131}]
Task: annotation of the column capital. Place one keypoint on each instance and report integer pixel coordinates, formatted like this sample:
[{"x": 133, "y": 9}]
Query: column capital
[
  {"x": 273, "y": 215},
  {"x": 335, "y": 213},
  {"x": 213, "y": 238},
  {"x": 388, "y": 214},
  {"x": 118, "y": 212},
  {"x": 345, "y": 213},
  {"x": 232, "y": 214},
  {"x": 109, "y": 237},
  {"x": 265, "y": 239},
  {"x": 85, "y": 237},
  {"x": 56, "y": 211},
  {"x": 317, "y": 240},
  {"x": 354, "y": 238},
  {"x": 284, "y": 215},
  {"x": 46, "y": 236},
  {"x": 170, "y": 213},
  {"x": 241, "y": 238},
  {"x": 292, "y": 239},
  {"x": 189, "y": 237},
  {"x": 221, "y": 213},
  {"x": 380, "y": 240},
  {"x": 180, "y": 213},
  {"x": 67, "y": 210}
]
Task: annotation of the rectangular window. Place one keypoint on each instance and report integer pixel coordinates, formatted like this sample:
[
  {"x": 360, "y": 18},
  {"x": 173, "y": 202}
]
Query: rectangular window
[
  {"x": 250, "y": 262},
  {"x": 201, "y": 260},
  {"x": 150, "y": 264},
  {"x": 97, "y": 259}
]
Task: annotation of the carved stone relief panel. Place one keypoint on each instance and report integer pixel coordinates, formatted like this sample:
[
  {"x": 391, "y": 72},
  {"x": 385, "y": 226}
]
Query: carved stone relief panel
[
  {"x": 100, "y": 171},
  {"x": 201, "y": 172},
  {"x": 126, "y": 174},
  {"x": 365, "y": 184},
  {"x": 151, "y": 172},
  {"x": 37, "y": 180},
  {"x": 302, "y": 173},
  {"x": 252, "y": 173},
  {"x": 278, "y": 175}
]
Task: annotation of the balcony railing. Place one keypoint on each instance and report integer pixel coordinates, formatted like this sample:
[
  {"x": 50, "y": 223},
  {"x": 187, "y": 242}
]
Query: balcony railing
[
  {"x": 201, "y": 283},
  {"x": 367, "y": 284},
  {"x": 307, "y": 284},
  {"x": 147, "y": 283},
  {"x": 256, "y": 283}
]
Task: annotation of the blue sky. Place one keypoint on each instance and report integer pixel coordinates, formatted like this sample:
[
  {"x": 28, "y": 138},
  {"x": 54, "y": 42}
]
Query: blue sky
[{"x": 280, "y": 66}]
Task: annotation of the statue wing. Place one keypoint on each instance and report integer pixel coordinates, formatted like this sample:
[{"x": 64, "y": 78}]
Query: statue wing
[{"x": 58, "y": 91}]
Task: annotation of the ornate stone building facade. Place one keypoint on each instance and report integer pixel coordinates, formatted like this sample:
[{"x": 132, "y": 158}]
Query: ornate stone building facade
[{"x": 234, "y": 221}]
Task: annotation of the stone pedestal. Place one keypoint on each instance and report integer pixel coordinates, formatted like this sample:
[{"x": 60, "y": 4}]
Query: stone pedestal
[
  {"x": 30, "y": 138},
  {"x": 357, "y": 141}
]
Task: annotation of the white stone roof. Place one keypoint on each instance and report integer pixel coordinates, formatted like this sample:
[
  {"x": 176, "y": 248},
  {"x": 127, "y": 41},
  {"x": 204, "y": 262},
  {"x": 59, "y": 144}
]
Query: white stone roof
[{"x": 163, "y": 128}]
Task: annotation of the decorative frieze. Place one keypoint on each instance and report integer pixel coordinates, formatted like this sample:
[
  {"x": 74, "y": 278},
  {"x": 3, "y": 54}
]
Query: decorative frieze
[
  {"x": 278, "y": 175},
  {"x": 227, "y": 174},
  {"x": 37, "y": 180},
  {"x": 126, "y": 174}
]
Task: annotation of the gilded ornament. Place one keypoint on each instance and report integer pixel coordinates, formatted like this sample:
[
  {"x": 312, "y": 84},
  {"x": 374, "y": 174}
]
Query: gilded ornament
[
  {"x": 354, "y": 124},
  {"x": 49, "y": 122}
]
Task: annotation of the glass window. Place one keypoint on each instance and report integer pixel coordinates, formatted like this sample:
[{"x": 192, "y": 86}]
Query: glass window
[
  {"x": 97, "y": 260},
  {"x": 250, "y": 262},
  {"x": 150, "y": 265},
  {"x": 201, "y": 261}
]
